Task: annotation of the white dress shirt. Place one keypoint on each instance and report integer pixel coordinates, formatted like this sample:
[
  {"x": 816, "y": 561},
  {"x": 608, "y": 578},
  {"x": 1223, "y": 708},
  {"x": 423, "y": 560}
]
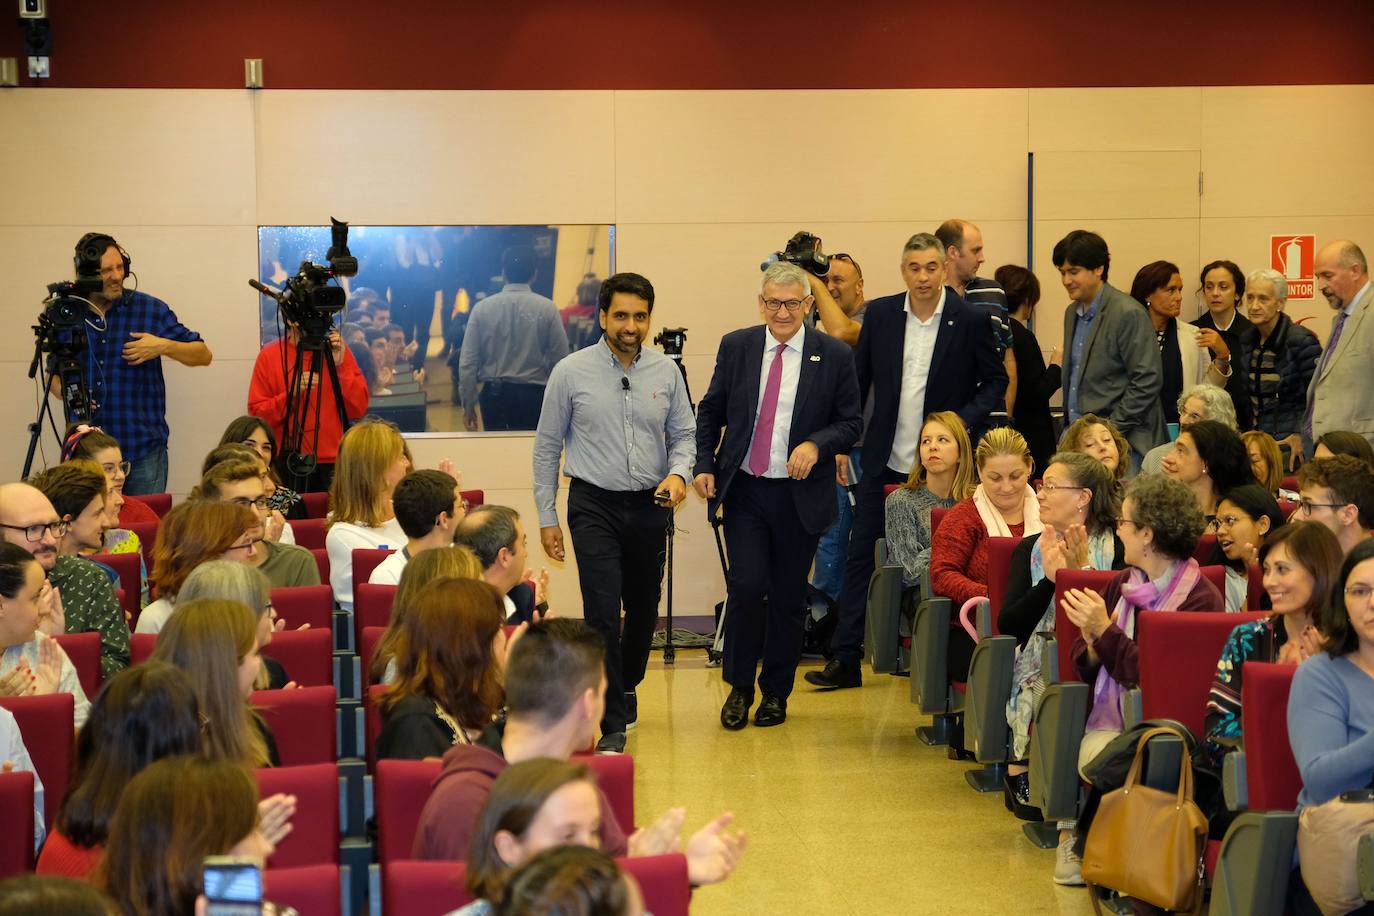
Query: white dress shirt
[
  {"x": 917, "y": 352},
  {"x": 787, "y": 399}
]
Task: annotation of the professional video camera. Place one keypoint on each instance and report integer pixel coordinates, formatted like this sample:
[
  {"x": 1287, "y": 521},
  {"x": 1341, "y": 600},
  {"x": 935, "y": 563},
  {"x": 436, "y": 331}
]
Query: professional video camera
[
  {"x": 672, "y": 341},
  {"x": 803, "y": 250},
  {"x": 309, "y": 299}
]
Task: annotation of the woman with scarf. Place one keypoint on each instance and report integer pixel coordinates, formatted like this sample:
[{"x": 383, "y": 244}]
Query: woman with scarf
[{"x": 1002, "y": 505}]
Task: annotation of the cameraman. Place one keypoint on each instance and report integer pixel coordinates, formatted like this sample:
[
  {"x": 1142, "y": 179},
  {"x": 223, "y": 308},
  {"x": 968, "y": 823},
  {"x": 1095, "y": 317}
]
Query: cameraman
[
  {"x": 128, "y": 335},
  {"x": 267, "y": 399}
]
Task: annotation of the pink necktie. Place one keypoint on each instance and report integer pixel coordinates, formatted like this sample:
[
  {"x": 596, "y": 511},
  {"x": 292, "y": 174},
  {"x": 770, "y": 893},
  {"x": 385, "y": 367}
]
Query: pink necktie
[{"x": 763, "y": 430}]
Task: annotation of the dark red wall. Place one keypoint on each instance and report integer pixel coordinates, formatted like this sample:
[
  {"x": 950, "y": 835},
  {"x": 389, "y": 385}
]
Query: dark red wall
[{"x": 678, "y": 44}]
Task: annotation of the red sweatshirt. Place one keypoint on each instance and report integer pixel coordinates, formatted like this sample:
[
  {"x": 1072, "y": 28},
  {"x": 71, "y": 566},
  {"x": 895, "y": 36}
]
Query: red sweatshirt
[
  {"x": 267, "y": 396},
  {"x": 959, "y": 555}
]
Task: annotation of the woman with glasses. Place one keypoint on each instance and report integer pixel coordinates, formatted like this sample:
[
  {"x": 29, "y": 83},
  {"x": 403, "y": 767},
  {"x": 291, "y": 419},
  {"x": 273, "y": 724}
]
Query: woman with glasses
[
  {"x": 241, "y": 481},
  {"x": 94, "y": 444},
  {"x": 30, "y": 662},
  {"x": 1331, "y": 725},
  {"x": 1246, "y": 517},
  {"x": 1301, "y": 565},
  {"x": 1209, "y": 458},
  {"x": 192, "y": 533},
  {"x": 1078, "y": 507}
]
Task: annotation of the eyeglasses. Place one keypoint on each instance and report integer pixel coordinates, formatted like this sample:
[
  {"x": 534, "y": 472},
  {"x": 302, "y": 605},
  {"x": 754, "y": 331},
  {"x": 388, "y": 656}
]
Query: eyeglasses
[
  {"x": 1306, "y": 506},
  {"x": 1190, "y": 418},
  {"x": 1358, "y": 593},
  {"x": 1224, "y": 521},
  {"x": 34, "y": 533},
  {"x": 1127, "y": 521},
  {"x": 262, "y": 502},
  {"x": 791, "y": 305},
  {"x": 248, "y": 546},
  {"x": 123, "y": 468},
  {"x": 1042, "y": 487}
]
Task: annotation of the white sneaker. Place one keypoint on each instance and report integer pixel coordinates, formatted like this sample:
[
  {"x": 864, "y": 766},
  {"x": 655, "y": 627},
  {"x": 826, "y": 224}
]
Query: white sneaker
[{"x": 1068, "y": 867}]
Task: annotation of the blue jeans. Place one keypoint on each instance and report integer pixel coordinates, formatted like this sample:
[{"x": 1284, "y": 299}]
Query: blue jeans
[
  {"x": 833, "y": 549},
  {"x": 148, "y": 474}
]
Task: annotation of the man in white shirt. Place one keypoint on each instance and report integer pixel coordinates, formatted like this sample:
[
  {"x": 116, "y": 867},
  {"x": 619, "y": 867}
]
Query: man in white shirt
[{"x": 428, "y": 507}]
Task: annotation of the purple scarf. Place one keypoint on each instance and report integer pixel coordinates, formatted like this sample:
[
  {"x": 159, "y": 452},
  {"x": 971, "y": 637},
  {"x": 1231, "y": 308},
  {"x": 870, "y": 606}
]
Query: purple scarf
[{"x": 1138, "y": 592}]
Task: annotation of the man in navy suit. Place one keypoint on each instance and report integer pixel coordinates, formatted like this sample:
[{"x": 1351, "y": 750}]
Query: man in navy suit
[
  {"x": 921, "y": 351},
  {"x": 788, "y": 401}
]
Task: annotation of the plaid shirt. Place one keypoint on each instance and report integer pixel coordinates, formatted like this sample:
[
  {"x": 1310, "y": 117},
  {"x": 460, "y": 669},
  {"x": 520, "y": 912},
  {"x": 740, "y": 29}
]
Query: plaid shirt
[{"x": 131, "y": 401}]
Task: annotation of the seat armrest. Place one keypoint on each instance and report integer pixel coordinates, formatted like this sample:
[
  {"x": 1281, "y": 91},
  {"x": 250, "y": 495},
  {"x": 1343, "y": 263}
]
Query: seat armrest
[
  {"x": 1364, "y": 863},
  {"x": 1132, "y": 708},
  {"x": 1233, "y": 784},
  {"x": 1049, "y": 660}
]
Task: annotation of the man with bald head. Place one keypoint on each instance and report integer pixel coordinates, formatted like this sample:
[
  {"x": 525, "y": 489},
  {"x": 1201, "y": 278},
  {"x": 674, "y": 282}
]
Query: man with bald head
[
  {"x": 1340, "y": 396},
  {"x": 85, "y": 600}
]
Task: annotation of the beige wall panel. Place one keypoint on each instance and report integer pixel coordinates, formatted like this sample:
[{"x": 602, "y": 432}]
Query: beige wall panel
[
  {"x": 414, "y": 158},
  {"x": 746, "y": 156},
  {"x": 1116, "y": 185},
  {"x": 1246, "y": 241},
  {"x": 1115, "y": 119},
  {"x": 200, "y": 403},
  {"x": 96, "y": 158},
  {"x": 17, "y": 410},
  {"x": 1298, "y": 150}
]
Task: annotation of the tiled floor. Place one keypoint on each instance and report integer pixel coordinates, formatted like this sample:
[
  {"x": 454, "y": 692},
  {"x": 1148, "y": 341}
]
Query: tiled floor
[{"x": 847, "y": 812}]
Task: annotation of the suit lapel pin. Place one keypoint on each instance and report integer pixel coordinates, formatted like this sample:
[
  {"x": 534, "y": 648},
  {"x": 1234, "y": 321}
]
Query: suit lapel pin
[
  {"x": 950, "y": 322},
  {"x": 815, "y": 359}
]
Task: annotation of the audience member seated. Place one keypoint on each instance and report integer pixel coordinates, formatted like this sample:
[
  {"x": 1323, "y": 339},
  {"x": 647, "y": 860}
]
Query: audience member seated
[
  {"x": 943, "y": 475},
  {"x": 1277, "y": 358},
  {"x": 1343, "y": 442},
  {"x": 1098, "y": 438},
  {"x": 216, "y": 643},
  {"x": 1002, "y": 505},
  {"x": 1302, "y": 563},
  {"x": 1159, "y": 527},
  {"x": 241, "y": 583},
  {"x": 372, "y": 460},
  {"x": 1266, "y": 462},
  {"x": 542, "y": 804},
  {"x": 568, "y": 879},
  {"x": 1185, "y": 362},
  {"x": 1331, "y": 728},
  {"x": 428, "y": 508},
  {"x": 1247, "y": 516},
  {"x": 32, "y": 895},
  {"x": 256, "y": 433},
  {"x": 30, "y": 662},
  {"x": 1078, "y": 507},
  {"x": 1209, "y": 458},
  {"x": 243, "y": 483},
  {"x": 438, "y": 563},
  {"x": 192, "y": 533},
  {"x": 1339, "y": 493},
  {"x": 1036, "y": 383},
  {"x": 141, "y": 715},
  {"x": 86, "y": 592},
  {"x": 94, "y": 444},
  {"x": 496, "y": 535},
  {"x": 171, "y": 817},
  {"x": 449, "y": 653},
  {"x": 279, "y": 499},
  {"x": 1198, "y": 403},
  {"x": 14, "y": 758}
]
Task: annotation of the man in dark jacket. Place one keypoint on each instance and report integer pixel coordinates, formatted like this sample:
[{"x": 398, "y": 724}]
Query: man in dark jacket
[{"x": 1278, "y": 358}]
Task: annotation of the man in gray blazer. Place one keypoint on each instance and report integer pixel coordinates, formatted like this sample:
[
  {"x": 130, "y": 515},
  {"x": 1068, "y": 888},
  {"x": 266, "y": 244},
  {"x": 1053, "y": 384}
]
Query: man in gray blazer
[
  {"x": 1340, "y": 395},
  {"x": 1111, "y": 357}
]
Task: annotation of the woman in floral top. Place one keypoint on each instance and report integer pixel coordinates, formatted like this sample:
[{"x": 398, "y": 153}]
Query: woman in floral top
[{"x": 1301, "y": 563}]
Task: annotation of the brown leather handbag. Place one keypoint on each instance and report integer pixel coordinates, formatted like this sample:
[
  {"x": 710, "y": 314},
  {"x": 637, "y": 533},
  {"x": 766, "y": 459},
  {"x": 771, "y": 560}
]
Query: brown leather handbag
[{"x": 1148, "y": 844}]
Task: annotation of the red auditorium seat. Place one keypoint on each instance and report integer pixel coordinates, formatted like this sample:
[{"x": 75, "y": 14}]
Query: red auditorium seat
[
  {"x": 615, "y": 774},
  {"x": 316, "y": 505},
  {"x": 48, "y": 726},
  {"x": 128, "y": 566},
  {"x": 1271, "y": 774},
  {"x": 1206, "y": 549},
  {"x": 1217, "y": 576},
  {"x": 1254, "y": 590},
  {"x": 314, "y": 836},
  {"x": 16, "y": 813},
  {"x": 937, "y": 516},
  {"x": 1287, "y": 507},
  {"x": 1289, "y": 483},
  {"x": 999, "y": 571},
  {"x": 1064, "y": 631},
  {"x": 161, "y": 503},
  {"x": 1178, "y": 662},
  {"x": 364, "y": 561},
  {"x": 371, "y": 607},
  {"x": 309, "y": 532},
  {"x": 321, "y": 562},
  {"x": 312, "y": 889},
  {"x": 312, "y": 604},
  {"x": 147, "y": 536},
  {"x": 400, "y": 789},
  {"x": 84, "y": 651},
  {"x": 302, "y": 722},
  {"x": 141, "y": 647},
  {"x": 307, "y": 655},
  {"x": 367, "y": 647},
  {"x": 372, "y": 724},
  {"x": 474, "y": 497}
]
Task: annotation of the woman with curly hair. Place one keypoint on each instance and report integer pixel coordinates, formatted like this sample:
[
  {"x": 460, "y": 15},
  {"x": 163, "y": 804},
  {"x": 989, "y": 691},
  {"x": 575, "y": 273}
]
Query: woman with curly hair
[{"x": 1099, "y": 438}]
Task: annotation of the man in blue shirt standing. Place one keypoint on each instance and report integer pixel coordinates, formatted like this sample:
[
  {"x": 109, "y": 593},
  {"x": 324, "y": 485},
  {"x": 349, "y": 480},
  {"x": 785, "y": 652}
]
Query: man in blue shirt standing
[
  {"x": 128, "y": 334},
  {"x": 621, "y": 418}
]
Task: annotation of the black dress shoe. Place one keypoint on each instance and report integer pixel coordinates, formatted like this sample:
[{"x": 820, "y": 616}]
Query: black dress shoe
[
  {"x": 836, "y": 674},
  {"x": 772, "y": 711},
  {"x": 734, "y": 715}
]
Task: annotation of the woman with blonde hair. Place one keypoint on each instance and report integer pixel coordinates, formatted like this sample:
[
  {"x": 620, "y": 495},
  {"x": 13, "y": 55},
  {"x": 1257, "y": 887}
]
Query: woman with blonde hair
[
  {"x": 1266, "y": 462},
  {"x": 427, "y": 566},
  {"x": 942, "y": 475},
  {"x": 216, "y": 643},
  {"x": 1002, "y": 505},
  {"x": 193, "y": 533},
  {"x": 372, "y": 460}
]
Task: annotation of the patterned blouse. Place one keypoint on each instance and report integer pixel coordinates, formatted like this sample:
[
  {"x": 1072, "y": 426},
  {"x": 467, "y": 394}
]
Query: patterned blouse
[
  {"x": 1255, "y": 641},
  {"x": 907, "y": 528}
]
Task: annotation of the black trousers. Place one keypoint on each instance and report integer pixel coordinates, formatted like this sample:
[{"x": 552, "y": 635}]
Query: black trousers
[
  {"x": 847, "y": 644},
  {"x": 510, "y": 405},
  {"x": 620, "y": 540},
  {"x": 770, "y": 555}
]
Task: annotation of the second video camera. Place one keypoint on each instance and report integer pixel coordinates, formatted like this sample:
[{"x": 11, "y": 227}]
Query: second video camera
[{"x": 803, "y": 250}]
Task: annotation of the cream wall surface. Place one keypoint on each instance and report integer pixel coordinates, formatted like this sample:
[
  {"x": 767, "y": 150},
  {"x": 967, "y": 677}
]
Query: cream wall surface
[{"x": 700, "y": 186}]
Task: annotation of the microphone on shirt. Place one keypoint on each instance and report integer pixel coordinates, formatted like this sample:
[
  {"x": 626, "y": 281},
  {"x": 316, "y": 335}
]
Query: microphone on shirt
[{"x": 624, "y": 383}]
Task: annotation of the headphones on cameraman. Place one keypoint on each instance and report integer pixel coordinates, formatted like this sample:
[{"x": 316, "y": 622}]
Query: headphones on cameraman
[{"x": 91, "y": 238}]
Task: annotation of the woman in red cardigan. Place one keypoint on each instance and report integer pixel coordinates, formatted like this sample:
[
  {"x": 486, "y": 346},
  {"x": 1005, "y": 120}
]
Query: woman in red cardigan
[{"x": 1003, "y": 505}]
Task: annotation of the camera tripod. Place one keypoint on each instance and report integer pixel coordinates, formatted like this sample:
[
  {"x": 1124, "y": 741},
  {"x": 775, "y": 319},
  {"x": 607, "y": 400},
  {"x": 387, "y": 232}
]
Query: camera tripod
[
  {"x": 297, "y": 463},
  {"x": 64, "y": 364}
]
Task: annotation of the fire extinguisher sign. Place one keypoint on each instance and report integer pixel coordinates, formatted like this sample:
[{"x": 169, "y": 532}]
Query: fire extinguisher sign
[{"x": 1292, "y": 256}]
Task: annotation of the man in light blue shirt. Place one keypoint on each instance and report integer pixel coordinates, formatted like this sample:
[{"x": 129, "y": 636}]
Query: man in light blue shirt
[{"x": 621, "y": 418}]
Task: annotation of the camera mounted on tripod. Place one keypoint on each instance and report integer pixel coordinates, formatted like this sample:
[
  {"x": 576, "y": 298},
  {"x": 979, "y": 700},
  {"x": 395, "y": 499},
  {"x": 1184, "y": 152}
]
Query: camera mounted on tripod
[
  {"x": 803, "y": 250},
  {"x": 309, "y": 300},
  {"x": 672, "y": 340}
]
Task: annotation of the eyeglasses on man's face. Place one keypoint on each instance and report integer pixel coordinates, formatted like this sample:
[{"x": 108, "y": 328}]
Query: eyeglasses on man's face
[
  {"x": 262, "y": 502},
  {"x": 1305, "y": 506},
  {"x": 792, "y": 305},
  {"x": 34, "y": 533}
]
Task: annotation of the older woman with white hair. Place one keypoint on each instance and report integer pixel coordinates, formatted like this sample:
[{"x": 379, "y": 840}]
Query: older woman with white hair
[
  {"x": 248, "y": 586},
  {"x": 1277, "y": 359},
  {"x": 1198, "y": 403}
]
